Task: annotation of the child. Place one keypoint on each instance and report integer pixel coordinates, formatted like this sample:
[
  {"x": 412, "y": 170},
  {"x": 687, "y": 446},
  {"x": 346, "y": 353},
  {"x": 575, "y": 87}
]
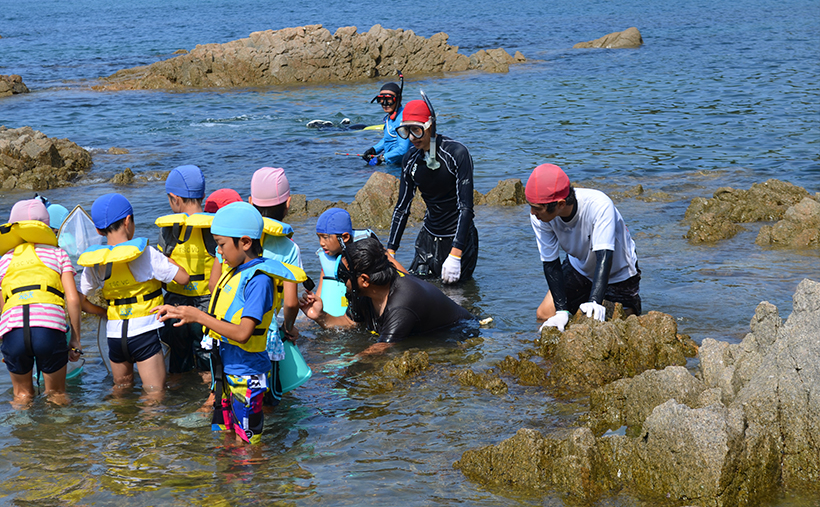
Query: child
[
  {"x": 270, "y": 195},
  {"x": 37, "y": 281},
  {"x": 239, "y": 315},
  {"x": 335, "y": 230},
  {"x": 185, "y": 238},
  {"x": 131, "y": 275},
  {"x": 220, "y": 198}
]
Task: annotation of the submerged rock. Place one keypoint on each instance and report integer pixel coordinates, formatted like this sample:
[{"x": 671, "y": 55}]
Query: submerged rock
[
  {"x": 29, "y": 160},
  {"x": 800, "y": 227},
  {"x": 487, "y": 381},
  {"x": 12, "y": 85},
  {"x": 407, "y": 365},
  {"x": 308, "y": 54},
  {"x": 716, "y": 218},
  {"x": 629, "y": 38},
  {"x": 740, "y": 436}
]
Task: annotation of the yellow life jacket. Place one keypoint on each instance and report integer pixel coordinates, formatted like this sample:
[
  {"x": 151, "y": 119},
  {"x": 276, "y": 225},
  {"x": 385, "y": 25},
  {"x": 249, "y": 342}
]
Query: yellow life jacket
[
  {"x": 27, "y": 279},
  {"x": 187, "y": 247},
  {"x": 126, "y": 297},
  {"x": 228, "y": 299}
]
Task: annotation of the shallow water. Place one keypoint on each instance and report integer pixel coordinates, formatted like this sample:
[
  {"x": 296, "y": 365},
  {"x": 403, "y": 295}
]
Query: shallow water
[{"x": 721, "y": 94}]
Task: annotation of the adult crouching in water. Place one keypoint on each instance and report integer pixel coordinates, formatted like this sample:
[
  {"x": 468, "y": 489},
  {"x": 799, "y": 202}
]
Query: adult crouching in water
[
  {"x": 391, "y": 149},
  {"x": 384, "y": 300},
  {"x": 601, "y": 262},
  {"x": 442, "y": 170}
]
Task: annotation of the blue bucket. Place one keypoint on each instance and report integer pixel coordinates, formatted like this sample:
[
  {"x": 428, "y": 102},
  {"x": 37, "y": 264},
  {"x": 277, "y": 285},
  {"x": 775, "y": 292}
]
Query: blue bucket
[{"x": 293, "y": 370}]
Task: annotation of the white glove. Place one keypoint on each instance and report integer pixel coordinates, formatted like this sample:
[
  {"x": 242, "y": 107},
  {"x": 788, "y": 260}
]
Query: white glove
[
  {"x": 558, "y": 320},
  {"x": 207, "y": 343},
  {"x": 451, "y": 269},
  {"x": 594, "y": 310}
]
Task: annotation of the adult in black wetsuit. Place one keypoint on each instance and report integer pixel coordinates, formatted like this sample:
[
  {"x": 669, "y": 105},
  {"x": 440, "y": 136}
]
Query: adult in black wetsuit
[
  {"x": 442, "y": 170},
  {"x": 392, "y": 304}
]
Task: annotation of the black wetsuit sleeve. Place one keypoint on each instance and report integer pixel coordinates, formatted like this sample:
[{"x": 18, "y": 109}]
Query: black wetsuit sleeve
[
  {"x": 464, "y": 194},
  {"x": 407, "y": 188},
  {"x": 600, "y": 279},
  {"x": 555, "y": 279}
]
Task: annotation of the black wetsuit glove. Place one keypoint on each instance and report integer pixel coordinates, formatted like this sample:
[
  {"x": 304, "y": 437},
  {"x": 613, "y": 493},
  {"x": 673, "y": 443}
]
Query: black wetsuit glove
[
  {"x": 600, "y": 279},
  {"x": 555, "y": 279},
  {"x": 370, "y": 153}
]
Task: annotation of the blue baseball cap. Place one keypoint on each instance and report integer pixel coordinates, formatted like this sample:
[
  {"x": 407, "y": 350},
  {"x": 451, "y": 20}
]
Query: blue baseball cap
[
  {"x": 186, "y": 181},
  {"x": 334, "y": 221},
  {"x": 57, "y": 214},
  {"x": 108, "y": 209},
  {"x": 238, "y": 219}
]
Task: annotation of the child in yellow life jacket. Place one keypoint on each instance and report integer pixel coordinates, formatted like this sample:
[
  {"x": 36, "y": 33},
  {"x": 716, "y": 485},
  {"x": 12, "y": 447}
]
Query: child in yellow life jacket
[
  {"x": 185, "y": 237},
  {"x": 239, "y": 316},
  {"x": 37, "y": 281},
  {"x": 131, "y": 275}
]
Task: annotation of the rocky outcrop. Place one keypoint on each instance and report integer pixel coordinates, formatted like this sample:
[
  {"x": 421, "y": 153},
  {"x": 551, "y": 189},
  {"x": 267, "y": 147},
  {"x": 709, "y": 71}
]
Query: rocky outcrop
[
  {"x": 738, "y": 435},
  {"x": 629, "y": 38},
  {"x": 29, "y": 160},
  {"x": 508, "y": 192},
  {"x": 800, "y": 227},
  {"x": 308, "y": 54},
  {"x": 716, "y": 218},
  {"x": 11, "y": 85},
  {"x": 589, "y": 353}
]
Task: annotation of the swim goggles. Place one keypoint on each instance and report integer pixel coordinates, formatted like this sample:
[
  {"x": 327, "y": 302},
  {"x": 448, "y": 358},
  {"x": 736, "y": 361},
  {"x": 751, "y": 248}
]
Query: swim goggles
[
  {"x": 415, "y": 130},
  {"x": 386, "y": 99}
]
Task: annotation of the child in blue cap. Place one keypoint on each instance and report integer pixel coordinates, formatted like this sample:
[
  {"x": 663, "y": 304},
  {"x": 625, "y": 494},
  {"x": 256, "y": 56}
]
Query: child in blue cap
[
  {"x": 131, "y": 275},
  {"x": 239, "y": 316},
  {"x": 186, "y": 239}
]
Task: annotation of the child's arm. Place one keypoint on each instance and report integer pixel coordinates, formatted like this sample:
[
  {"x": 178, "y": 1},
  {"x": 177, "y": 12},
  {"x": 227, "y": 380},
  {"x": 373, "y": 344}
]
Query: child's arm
[
  {"x": 182, "y": 277},
  {"x": 89, "y": 307},
  {"x": 312, "y": 306},
  {"x": 290, "y": 308},
  {"x": 72, "y": 304},
  {"x": 239, "y": 333}
]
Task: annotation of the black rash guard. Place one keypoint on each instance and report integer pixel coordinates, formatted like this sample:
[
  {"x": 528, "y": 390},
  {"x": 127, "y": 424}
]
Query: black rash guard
[
  {"x": 447, "y": 191},
  {"x": 413, "y": 306}
]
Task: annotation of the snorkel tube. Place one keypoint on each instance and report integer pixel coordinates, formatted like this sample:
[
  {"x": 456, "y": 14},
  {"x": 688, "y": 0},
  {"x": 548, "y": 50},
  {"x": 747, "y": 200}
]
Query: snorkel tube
[{"x": 430, "y": 156}]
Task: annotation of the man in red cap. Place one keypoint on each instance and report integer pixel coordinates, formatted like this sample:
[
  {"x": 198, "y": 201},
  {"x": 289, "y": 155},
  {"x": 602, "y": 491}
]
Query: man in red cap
[
  {"x": 442, "y": 170},
  {"x": 601, "y": 262}
]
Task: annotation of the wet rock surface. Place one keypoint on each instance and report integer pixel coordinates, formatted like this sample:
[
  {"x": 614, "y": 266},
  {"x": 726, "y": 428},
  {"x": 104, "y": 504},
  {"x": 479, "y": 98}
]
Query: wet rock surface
[
  {"x": 740, "y": 434},
  {"x": 308, "y": 54},
  {"x": 409, "y": 364},
  {"x": 32, "y": 161},
  {"x": 12, "y": 85},
  {"x": 629, "y": 38},
  {"x": 800, "y": 227},
  {"x": 487, "y": 381},
  {"x": 717, "y": 218}
]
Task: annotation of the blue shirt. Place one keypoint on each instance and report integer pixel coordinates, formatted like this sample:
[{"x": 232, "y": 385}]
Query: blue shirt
[
  {"x": 258, "y": 298},
  {"x": 394, "y": 147}
]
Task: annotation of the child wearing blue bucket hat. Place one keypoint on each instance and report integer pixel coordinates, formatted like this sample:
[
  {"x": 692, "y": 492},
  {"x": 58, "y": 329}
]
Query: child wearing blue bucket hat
[
  {"x": 131, "y": 275},
  {"x": 238, "y": 318}
]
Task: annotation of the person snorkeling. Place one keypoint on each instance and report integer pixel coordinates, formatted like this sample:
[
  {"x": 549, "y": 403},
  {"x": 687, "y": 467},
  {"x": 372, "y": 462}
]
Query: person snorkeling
[{"x": 392, "y": 147}]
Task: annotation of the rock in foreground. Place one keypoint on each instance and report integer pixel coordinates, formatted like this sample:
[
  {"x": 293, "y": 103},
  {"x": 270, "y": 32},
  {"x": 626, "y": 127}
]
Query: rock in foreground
[
  {"x": 740, "y": 436},
  {"x": 309, "y": 54},
  {"x": 629, "y": 38},
  {"x": 29, "y": 160}
]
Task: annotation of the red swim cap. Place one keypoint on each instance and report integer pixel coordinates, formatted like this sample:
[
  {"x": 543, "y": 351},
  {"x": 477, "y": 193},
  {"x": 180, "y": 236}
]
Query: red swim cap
[
  {"x": 547, "y": 183},
  {"x": 220, "y": 198},
  {"x": 415, "y": 112}
]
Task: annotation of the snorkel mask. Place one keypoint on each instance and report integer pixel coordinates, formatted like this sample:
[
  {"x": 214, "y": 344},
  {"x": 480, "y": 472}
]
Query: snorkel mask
[{"x": 394, "y": 97}]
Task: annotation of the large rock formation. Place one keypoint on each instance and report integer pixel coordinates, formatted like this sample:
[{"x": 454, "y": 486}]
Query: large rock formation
[
  {"x": 800, "y": 227},
  {"x": 716, "y": 218},
  {"x": 629, "y": 38},
  {"x": 739, "y": 435},
  {"x": 30, "y": 160},
  {"x": 10, "y": 85},
  {"x": 308, "y": 54}
]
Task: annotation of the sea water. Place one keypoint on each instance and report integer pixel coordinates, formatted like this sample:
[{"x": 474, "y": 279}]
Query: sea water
[{"x": 720, "y": 94}]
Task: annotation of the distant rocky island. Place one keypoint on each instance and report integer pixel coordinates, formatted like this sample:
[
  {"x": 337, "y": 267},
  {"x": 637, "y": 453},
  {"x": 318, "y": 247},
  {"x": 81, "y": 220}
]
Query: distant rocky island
[{"x": 308, "y": 54}]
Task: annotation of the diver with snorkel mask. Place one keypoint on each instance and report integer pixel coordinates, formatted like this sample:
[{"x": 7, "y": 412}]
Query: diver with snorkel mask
[
  {"x": 391, "y": 148},
  {"x": 442, "y": 169}
]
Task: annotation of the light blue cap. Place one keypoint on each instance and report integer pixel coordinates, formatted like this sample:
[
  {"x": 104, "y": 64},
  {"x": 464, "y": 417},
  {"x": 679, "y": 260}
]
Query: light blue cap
[
  {"x": 236, "y": 220},
  {"x": 57, "y": 214},
  {"x": 186, "y": 181}
]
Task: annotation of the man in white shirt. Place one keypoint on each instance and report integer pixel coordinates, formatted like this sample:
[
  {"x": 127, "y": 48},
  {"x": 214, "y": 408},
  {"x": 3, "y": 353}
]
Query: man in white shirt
[{"x": 600, "y": 263}]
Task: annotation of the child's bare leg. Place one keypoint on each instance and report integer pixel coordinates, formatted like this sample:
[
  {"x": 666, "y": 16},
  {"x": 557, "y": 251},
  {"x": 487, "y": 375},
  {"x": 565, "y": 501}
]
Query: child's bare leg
[
  {"x": 23, "y": 387},
  {"x": 55, "y": 386},
  {"x": 152, "y": 373},
  {"x": 123, "y": 373}
]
